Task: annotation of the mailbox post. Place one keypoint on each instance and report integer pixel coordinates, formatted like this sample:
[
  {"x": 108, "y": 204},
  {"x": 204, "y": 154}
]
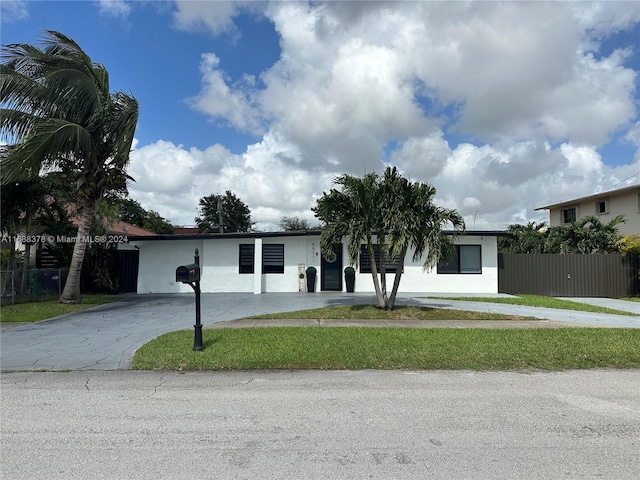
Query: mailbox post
[{"x": 190, "y": 275}]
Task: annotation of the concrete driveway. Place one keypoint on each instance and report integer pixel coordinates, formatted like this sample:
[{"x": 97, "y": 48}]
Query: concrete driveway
[{"x": 106, "y": 337}]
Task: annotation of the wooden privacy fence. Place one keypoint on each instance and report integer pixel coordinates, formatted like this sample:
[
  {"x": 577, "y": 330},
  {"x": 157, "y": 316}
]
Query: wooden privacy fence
[{"x": 571, "y": 275}]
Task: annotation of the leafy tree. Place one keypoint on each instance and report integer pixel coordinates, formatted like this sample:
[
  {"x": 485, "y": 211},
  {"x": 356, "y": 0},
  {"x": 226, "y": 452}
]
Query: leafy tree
[
  {"x": 58, "y": 114},
  {"x": 130, "y": 211},
  {"x": 391, "y": 212},
  {"x": 156, "y": 223},
  {"x": 587, "y": 235},
  {"x": 234, "y": 213},
  {"x": 529, "y": 238},
  {"x": 293, "y": 224}
]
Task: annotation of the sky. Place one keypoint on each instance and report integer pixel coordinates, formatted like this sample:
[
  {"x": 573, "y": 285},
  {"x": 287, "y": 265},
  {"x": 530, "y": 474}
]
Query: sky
[{"x": 503, "y": 107}]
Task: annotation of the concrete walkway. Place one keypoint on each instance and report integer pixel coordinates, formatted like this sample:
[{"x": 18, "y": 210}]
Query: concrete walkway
[{"x": 106, "y": 337}]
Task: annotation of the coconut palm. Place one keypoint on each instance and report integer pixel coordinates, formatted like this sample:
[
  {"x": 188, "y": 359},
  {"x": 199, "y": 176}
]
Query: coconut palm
[
  {"x": 393, "y": 213},
  {"x": 58, "y": 115}
]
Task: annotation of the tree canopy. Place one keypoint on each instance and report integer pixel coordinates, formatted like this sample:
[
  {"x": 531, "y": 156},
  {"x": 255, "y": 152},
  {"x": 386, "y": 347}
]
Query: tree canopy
[
  {"x": 59, "y": 115},
  {"x": 223, "y": 214},
  {"x": 586, "y": 235},
  {"x": 130, "y": 211},
  {"x": 390, "y": 214},
  {"x": 293, "y": 224}
]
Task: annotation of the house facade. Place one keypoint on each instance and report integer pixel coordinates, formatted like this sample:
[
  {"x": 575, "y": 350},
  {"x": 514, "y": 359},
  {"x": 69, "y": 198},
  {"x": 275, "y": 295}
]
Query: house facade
[
  {"x": 606, "y": 205},
  {"x": 274, "y": 262}
]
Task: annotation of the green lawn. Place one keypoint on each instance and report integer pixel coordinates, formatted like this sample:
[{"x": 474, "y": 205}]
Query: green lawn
[
  {"x": 541, "y": 301},
  {"x": 393, "y": 348},
  {"x": 41, "y": 309}
]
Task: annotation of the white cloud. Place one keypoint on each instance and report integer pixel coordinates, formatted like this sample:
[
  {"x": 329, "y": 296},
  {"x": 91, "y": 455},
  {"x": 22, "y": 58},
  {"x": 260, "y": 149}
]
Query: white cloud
[
  {"x": 220, "y": 101},
  {"x": 114, "y": 8},
  {"x": 13, "y": 10},
  {"x": 215, "y": 17},
  {"x": 522, "y": 83}
]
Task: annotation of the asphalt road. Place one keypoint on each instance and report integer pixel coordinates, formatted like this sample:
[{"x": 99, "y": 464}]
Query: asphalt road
[{"x": 321, "y": 425}]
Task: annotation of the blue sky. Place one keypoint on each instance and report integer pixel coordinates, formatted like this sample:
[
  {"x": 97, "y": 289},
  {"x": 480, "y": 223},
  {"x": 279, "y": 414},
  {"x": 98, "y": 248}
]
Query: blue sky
[{"x": 503, "y": 107}]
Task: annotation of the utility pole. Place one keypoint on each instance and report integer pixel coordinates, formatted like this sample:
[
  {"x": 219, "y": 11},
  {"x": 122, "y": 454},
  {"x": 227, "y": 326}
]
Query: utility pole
[{"x": 220, "y": 221}]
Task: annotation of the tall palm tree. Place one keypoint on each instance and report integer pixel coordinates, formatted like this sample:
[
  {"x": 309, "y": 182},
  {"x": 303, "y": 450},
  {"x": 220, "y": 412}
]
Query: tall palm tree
[
  {"x": 58, "y": 115},
  {"x": 394, "y": 213}
]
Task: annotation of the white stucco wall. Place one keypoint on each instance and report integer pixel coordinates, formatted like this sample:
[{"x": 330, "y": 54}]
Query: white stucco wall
[
  {"x": 219, "y": 260},
  {"x": 625, "y": 203},
  {"x": 416, "y": 279}
]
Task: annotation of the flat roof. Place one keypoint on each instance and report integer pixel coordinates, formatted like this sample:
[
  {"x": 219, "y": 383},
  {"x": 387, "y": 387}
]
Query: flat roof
[
  {"x": 301, "y": 233},
  {"x": 593, "y": 197}
]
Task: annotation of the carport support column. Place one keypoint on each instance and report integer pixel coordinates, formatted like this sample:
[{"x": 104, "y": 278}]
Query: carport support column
[{"x": 257, "y": 267}]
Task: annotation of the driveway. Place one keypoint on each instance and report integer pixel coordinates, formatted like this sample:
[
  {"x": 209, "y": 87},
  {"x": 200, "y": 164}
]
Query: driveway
[{"x": 106, "y": 337}]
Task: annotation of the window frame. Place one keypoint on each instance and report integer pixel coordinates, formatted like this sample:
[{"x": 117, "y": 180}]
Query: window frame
[
  {"x": 246, "y": 267},
  {"x": 563, "y": 215},
  {"x": 605, "y": 203},
  {"x": 275, "y": 257},
  {"x": 455, "y": 267},
  {"x": 365, "y": 260}
]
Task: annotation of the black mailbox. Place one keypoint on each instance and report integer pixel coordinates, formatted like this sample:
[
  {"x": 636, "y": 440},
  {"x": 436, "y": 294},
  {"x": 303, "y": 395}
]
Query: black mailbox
[{"x": 188, "y": 273}]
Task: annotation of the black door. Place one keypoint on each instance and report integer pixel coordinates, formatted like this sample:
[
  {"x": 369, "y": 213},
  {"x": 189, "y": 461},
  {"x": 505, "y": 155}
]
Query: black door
[
  {"x": 128, "y": 270},
  {"x": 331, "y": 272}
]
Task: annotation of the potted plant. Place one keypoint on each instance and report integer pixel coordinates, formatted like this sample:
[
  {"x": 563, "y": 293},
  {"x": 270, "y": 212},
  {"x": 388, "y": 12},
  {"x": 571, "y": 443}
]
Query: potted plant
[
  {"x": 311, "y": 279},
  {"x": 350, "y": 278}
]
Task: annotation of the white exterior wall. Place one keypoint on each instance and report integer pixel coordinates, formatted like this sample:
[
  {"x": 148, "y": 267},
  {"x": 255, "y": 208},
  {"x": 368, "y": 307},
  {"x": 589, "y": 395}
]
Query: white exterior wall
[
  {"x": 219, "y": 260},
  {"x": 416, "y": 279},
  {"x": 158, "y": 263}
]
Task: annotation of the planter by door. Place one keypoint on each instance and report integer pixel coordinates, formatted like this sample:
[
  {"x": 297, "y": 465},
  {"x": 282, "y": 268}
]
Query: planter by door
[
  {"x": 350, "y": 279},
  {"x": 311, "y": 279}
]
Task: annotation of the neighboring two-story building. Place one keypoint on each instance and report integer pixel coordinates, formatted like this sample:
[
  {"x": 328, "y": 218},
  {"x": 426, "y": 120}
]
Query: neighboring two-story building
[{"x": 605, "y": 205}]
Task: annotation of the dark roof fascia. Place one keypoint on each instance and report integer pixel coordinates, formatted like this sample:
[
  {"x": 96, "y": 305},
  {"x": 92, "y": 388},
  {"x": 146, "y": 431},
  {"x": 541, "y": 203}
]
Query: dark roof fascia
[{"x": 216, "y": 236}]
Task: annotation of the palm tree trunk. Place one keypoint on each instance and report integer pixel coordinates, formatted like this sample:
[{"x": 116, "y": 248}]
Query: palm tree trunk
[
  {"x": 396, "y": 280},
  {"x": 71, "y": 292},
  {"x": 374, "y": 273},
  {"x": 27, "y": 255},
  {"x": 11, "y": 266},
  {"x": 25, "y": 268}
]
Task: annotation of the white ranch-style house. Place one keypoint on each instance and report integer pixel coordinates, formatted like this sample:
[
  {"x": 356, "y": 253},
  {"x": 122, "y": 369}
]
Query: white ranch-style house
[{"x": 273, "y": 262}]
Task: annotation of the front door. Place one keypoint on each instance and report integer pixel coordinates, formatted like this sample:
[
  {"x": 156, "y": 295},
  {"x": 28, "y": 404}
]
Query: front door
[{"x": 331, "y": 273}]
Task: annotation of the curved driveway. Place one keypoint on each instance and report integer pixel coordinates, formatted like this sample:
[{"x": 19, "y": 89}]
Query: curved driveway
[{"x": 106, "y": 337}]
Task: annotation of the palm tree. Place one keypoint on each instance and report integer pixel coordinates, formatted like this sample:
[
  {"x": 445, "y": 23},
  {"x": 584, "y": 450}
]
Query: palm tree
[
  {"x": 58, "y": 115},
  {"x": 399, "y": 214},
  {"x": 413, "y": 221}
]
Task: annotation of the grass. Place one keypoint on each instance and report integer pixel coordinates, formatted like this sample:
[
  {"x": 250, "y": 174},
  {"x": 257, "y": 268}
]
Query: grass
[
  {"x": 370, "y": 312},
  {"x": 48, "y": 307},
  {"x": 631, "y": 299},
  {"x": 541, "y": 301},
  {"x": 393, "y": 348}
]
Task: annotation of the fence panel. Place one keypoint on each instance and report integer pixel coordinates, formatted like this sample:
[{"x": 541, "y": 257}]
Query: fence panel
[{"x": 595, "y": 275}]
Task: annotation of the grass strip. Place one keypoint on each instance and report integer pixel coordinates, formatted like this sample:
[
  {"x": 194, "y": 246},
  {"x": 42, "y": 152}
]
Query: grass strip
[
  {"x": 541, "y": 301},
  {"x": 370, "y": 312},
  {"x": 50, "y": 307},
  {"x": 355, "y": 348}
]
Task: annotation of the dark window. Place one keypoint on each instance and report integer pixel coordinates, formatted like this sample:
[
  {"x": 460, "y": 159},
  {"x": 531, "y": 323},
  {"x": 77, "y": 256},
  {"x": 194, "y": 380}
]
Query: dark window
[
  {"x": 246, "y": 258},
  {"x": 273, "y": 258},
  {"x": 365, "y": 260},
  {"x": 569, "y": 215},
  {"x": 468, "y": 259},
  {"x": 601, "y": 207}
]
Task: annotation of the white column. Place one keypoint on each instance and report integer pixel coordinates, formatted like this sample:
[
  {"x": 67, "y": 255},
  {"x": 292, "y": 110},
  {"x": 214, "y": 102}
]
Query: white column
[{"x": 257, "y": 267}]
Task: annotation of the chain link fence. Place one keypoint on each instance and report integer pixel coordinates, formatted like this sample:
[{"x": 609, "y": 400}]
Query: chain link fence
[{"x": 38, "y": 282}]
